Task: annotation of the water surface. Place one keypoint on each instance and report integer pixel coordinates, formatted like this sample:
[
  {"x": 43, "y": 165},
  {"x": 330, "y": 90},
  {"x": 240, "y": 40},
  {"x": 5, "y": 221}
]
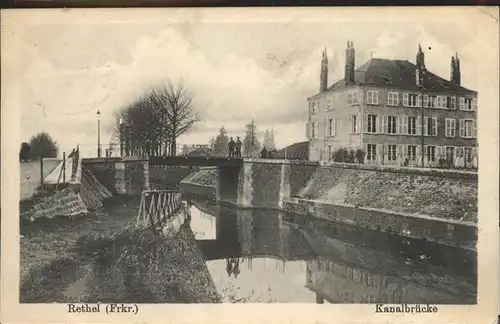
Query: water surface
[{"x": 271, "y": 256}]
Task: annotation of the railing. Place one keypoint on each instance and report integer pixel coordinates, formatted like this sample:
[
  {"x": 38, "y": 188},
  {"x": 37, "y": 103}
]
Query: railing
[
  {"x": 157, "y": 206},
  {"x": 469, "y": 162}
]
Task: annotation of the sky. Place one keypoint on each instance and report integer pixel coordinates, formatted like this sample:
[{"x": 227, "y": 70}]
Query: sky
[{"x": 238, "y": 69}]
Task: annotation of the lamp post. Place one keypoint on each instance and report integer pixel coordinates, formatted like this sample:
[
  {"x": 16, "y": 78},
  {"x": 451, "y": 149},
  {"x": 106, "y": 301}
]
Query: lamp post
[
  {"x": 120, "y": 122},
  {"x": 98, "y": 133}
]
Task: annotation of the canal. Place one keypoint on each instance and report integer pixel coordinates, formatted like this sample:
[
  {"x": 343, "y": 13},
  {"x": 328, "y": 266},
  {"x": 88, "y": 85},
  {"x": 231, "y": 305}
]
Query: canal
[{"x": 270, "y": 256}]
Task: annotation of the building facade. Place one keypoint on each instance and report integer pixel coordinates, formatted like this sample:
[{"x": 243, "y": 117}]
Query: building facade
[{"x": 396, "y": 112}]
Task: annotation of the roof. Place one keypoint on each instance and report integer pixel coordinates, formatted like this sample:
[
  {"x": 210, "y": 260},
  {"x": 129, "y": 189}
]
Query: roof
[
  {"x": 395, "y": 73},
  {"x": 296, "y": 151}
]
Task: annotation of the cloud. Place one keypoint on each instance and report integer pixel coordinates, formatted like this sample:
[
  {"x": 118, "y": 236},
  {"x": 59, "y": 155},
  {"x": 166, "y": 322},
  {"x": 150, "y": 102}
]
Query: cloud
[{"x": 231, "y": 85}]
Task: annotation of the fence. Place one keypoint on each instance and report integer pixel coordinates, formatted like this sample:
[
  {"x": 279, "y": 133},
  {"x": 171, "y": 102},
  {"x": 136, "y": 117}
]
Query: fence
[
  {"x": 429, "y": 161},
  {"x": 158, "y": 206}
]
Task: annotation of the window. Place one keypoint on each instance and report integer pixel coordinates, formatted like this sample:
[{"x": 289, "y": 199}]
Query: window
[
  {"x": 313, "y": 108},
  {"x": 371, "y": 152},
  {"x": 431, "y": 153},
  {"x": 372, "y": 124},
  {"x": 412, "y": 152},
  {"x": 331, "y": 127},
  {"x": 412, "y": 125},
  {"x": 432, "y": 102},
  {"x": 392, "y": 125},
  {"x": 450, "y": 102},
  {"x": 392, "y": 98},
  {"x": 329, "y": 152},
  {"x": 430, "y": 126},
  {"x": 461, "y": 103},
  {"x": 391, "y": 152},
  {"x": 313, "y": 130},
  {"x": 352, "y": 98},
  {"x": 372, "y": 97},
  {"x": 469, "y": 154},
  {"x": 450, "y": 127},
  {"x": 329, "y": 104},
  {"x": 469, "y": 104},
  {"x": 467, "y": 128},
  {"x": 450, "y": 153},
  {"x": 354, "y": 124},
  {"x": 440, "y": 102}
]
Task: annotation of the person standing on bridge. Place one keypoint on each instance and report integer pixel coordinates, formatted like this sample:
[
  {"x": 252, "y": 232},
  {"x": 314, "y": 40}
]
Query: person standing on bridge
[
  {"x": 230, "y": 146},
  {"x": 238, "y": 147}
]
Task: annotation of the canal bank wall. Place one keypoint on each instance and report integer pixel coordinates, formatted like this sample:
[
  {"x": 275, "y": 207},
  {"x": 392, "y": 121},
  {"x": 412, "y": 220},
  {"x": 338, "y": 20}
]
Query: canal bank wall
[{"x": 428, "y": 204}]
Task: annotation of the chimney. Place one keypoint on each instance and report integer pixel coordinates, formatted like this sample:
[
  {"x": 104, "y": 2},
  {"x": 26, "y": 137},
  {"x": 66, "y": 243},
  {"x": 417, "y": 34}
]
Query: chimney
[
  {"x": 323, "y": 78},
  {"x": 420, "y": 58},
  {"x": 455, "y": 69},
  {"x": 349, "y": 63}
]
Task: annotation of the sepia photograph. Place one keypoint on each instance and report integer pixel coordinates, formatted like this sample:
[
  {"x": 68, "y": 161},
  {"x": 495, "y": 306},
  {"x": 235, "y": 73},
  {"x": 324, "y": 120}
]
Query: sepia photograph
[{"x": 201, "y": 157}]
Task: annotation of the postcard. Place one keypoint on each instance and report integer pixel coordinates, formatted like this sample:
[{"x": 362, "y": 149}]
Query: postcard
[{"x": 250, "y": 165}]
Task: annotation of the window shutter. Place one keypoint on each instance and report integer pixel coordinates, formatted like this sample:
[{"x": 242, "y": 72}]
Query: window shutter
[
  {"x": 360, "y": 96},
  {"x": 334, "y": 127},
  {"x": 461, "y": 103},
  {"x": 426, "y": 126},
  {"x": 365, "y": 123},
  {"x": 381, "y": 130},
  {"x": 453, "y": 103},
  {"x": 419, "y": 126},
  {"x": 474, "y": 104},
  {"x": 357, "y": 124},
  {"x": 405, "y": 99},
  {"x": 399, "y": 125},
  {"x": 386, "y": 131},
  {"x": 419, "y": 100},
  {"x": 461, "y": 130},
  {"x": 350, "y": 125},
  {"x": 365, "y": 148},
  {"x": 419, "y": 155},
  {"x": 405, "y": 125},
  {"x": 375, "y": 97},
  {"x": 380, "y": 152},
  {"x": 454, "y": 127},
  {"x": 474, "y": 129},
  {"x": 405, "y": 151},
  {"x": 434, "y": 126},
  {"x": 398, "y": 154}
]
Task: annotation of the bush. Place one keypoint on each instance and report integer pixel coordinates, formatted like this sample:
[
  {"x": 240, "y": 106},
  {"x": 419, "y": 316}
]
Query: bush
[{"x": 348, "y": 156}]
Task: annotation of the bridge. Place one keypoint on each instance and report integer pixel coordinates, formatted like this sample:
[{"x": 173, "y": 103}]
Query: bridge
[{"x": 186, "y": 160}]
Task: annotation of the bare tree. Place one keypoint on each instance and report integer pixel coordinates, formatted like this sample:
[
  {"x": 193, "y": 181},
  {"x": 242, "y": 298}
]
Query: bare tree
[
  {"x": 152, "y": 123},
  {"x": 174, "y": 102}
]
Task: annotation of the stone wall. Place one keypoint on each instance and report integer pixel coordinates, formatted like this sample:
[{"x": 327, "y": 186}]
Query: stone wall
[
  {"x": 121, "y": 176},
  {"x": 103, "y": 170},
  {"x": 450, "y": 195},
  {"x": 461, "y": 234}
]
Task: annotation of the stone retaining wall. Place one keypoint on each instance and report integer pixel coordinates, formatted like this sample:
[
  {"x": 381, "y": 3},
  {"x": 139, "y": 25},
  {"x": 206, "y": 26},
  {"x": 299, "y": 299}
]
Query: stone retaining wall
[{"x": 461, "y": 234}]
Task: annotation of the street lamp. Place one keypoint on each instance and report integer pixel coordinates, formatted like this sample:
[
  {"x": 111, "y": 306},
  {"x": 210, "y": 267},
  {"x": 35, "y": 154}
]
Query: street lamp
[
  {"x": 98, "y": 133},
  {"x": 121, "y": 136}
]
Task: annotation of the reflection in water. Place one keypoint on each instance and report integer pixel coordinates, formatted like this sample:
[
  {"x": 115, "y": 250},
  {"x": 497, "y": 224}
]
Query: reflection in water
[{"x": 269, "y": 256}]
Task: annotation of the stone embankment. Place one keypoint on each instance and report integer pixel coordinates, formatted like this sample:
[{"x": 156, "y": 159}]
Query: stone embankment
[
  {"x": 202, "y": 182},
  {"x": 437, "y": 194},
  {"x": 434, "y": 205}
]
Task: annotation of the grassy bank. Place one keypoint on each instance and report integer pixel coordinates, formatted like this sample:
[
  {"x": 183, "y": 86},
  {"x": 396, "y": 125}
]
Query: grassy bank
[{"x": 101, "y": 257}]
